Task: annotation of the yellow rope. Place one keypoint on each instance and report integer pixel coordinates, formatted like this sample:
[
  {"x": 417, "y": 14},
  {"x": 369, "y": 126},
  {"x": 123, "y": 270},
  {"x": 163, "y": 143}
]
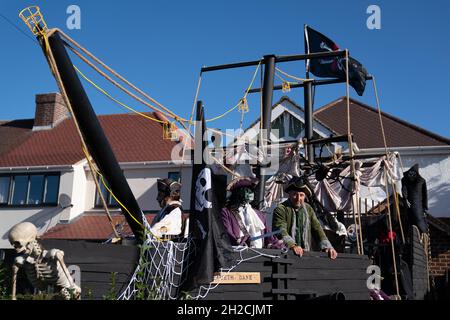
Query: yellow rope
[
  {"x": 292, "y": 77},
  {"x": 170, "y": 113},
  {"x": 115, "y": 198},
  {"x": 97, "y": 186},
  {"x": 243, "y": 98},
  {"x": 115, "y": 100}
]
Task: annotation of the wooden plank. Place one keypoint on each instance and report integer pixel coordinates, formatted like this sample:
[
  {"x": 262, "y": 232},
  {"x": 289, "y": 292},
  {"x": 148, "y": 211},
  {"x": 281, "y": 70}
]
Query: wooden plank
[
  {"x": 262, "y": 287},
  {"x": 256, "y": 267},
  {"x": 235, "y": 295},
  {"x": 333, "y": 274},
  {"x": 330, "y": 264},
  {"x": 103, "y": 277},
  {"x": 284, "y": 276},
  {"x": 329, "y": 286},
  {"x": 124, "y": 268}
]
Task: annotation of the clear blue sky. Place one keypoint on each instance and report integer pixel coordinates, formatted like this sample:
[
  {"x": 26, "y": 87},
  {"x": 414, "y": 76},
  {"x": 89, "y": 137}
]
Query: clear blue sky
[{"x": 161, "y": 45}]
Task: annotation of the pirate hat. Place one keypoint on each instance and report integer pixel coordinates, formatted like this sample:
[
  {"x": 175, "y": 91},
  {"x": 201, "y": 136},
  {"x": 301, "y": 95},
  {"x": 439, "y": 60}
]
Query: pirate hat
[
  {"x": 242, "y": 182},
  {"x": 299, "y": 185},
  {"x": 169, "y": 187}
]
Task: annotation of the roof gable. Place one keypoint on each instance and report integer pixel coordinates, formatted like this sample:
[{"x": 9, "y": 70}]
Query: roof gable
[
  {"x": 286, "y": 105},
  {"x": 366, "y": 128}
]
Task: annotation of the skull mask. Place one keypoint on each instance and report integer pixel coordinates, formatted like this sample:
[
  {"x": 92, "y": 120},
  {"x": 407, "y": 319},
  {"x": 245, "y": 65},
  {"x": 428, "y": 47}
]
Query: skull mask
[
  {"x": 22, "y": 236},
  {"x": 202, "y": 185}
]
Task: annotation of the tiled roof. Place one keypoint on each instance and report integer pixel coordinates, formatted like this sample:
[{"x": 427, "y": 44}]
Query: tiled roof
[
  {"x": 366, "y": 128},
  {"x": 12, "y": 133},
  {"x": 133, "y": 139},
  {"x": 90, "y": 227}
]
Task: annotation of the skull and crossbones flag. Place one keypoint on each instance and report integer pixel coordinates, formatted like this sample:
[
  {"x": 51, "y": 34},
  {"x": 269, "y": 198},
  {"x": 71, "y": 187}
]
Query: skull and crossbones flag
[
  {"x": 213, "y": 248},
  {"x": 332, "y": 66}
]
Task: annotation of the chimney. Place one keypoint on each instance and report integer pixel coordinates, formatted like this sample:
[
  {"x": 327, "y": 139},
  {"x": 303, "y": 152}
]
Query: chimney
[{"x": 50, "y": 111}]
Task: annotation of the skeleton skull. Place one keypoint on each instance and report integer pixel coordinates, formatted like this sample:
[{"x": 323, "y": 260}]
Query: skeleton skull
[
  {"x": 22, "y": 236},
  {"x": 202, "y": 186}
]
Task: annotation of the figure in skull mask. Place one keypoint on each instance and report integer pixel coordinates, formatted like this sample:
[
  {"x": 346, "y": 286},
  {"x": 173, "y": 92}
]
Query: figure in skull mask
[
  {"x": 414, "y": 190},
  {"x": 245, "y": 225},
  {"x": 43, "y": 268}
]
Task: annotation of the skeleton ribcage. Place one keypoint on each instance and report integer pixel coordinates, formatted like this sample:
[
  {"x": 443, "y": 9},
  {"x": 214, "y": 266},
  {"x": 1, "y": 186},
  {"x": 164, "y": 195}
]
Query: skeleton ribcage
[{"x": 41, "y": 275}]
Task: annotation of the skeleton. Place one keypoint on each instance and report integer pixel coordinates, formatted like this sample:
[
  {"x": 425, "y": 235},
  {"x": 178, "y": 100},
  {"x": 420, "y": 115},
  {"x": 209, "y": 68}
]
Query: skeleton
[
  {"x": 43, "y": 267},
  {"x": 202, "y": 186}
]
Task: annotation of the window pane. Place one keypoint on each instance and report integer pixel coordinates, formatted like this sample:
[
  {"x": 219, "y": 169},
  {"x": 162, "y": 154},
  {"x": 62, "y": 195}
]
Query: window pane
[
  {"x": 278, "y": 124},
  {"x": 175, "y": 176},
  {"x": 36, "y": 189},
  {"x": 295, "y": 127},
  {"x": 51, "y": 189},
  {"x": 98, "y": 200},
  {"x": 112, "y": 202},
  {"x": 4, "y": 189},
  {"x": 20, "y": 190}
]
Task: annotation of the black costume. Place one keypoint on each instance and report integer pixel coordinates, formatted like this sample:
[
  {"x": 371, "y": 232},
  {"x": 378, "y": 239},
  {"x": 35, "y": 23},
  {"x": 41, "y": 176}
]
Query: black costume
[{"x": 414, "y": 190}]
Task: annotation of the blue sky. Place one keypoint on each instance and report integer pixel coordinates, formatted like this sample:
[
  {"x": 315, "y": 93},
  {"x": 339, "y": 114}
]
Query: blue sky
[{"x": 161, "y": 45}]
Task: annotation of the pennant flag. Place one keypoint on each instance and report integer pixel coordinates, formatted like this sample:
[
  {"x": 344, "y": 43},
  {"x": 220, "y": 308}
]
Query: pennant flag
[
  {"x": 213, "y": 247},
  {"x": 333, "y": 66}
]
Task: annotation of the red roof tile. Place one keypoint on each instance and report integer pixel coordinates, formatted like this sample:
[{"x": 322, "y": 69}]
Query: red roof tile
[
  {"x": 133, "y": 139},
  {"x": 366, "y": 128},
  {"x": 90, "y": 227},
  {"x": 13, "y": 133}
]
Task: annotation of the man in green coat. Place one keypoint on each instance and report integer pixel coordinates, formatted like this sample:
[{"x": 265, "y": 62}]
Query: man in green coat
[{"x": 298, "y": 222}]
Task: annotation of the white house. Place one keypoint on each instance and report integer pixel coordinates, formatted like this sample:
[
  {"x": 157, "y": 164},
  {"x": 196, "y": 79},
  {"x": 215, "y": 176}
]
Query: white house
[{"x": 45, "y": 178}]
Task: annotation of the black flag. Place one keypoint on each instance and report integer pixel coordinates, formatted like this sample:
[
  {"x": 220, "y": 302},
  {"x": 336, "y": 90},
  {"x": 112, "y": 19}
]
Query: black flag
[
  {"x": 333, "y": 66},
  {"x": 213, "y": 248}
]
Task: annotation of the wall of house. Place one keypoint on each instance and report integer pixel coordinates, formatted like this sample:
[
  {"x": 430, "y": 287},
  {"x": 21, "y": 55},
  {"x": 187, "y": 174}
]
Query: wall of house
[
  {"x": 142, "y": 181},
  {"x": 42, "y": 217},
  {"x": 435, "y": 169}
]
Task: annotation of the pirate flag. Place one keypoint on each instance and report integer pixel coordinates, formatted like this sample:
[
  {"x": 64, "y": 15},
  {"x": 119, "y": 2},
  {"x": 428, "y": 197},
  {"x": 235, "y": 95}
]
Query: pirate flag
[
  {"x": 332, "y": 66},
  {"x": 213, "y": 248}
]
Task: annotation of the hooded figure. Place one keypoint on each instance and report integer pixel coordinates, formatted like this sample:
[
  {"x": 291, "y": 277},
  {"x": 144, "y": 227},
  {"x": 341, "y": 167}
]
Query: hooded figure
[
  {"x": 414, "y": 191},
  {"x": 244, "y": 224}
]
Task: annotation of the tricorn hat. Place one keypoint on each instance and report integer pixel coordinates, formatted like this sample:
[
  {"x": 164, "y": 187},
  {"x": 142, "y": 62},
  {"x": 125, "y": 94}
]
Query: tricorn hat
[
  {"x": 242, "y": 182},
  {"x": 169, "y": 187},
  {"x": 298, "y": 184}
]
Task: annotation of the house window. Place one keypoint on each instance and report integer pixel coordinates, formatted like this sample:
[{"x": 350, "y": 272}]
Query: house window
[
  {"x": 110, "y": 201},
  {"x": 174, "y": 175},
  {"x": 29, "y": 189},
  {"x": 4, "y": 189},
  {"x": 278, "y": 124},
  {"x": 295, "y": 127}
]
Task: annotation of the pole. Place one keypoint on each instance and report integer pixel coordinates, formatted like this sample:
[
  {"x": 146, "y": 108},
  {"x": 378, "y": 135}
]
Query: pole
[
  {"x": 266, "y": 118},
  {"x": 94, "y": 137},
  {"x": 308, "y": 120}
]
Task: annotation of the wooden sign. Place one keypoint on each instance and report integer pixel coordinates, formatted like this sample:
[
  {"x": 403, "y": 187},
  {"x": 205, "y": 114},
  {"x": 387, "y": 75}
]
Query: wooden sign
[{"x": 236, "y": 277}]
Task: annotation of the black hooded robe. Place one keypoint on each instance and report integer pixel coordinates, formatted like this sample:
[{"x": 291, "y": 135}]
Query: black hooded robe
[{"x": 414, "y": 190}]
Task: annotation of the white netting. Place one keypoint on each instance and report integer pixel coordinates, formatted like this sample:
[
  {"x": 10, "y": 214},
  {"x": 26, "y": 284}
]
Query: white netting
[
  {"x": 161, "y": 269},
  {"x": 163, "y": 266}
]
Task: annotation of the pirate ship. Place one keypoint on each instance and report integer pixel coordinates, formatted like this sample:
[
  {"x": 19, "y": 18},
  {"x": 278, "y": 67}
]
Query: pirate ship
[{"x": 204, "y": 266}]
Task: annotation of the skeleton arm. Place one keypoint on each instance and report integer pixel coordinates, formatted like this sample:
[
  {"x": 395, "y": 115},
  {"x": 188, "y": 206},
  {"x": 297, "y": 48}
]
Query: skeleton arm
[
  {"x": 58, "y": 255},
  {"x": 15, "y": 269}
]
